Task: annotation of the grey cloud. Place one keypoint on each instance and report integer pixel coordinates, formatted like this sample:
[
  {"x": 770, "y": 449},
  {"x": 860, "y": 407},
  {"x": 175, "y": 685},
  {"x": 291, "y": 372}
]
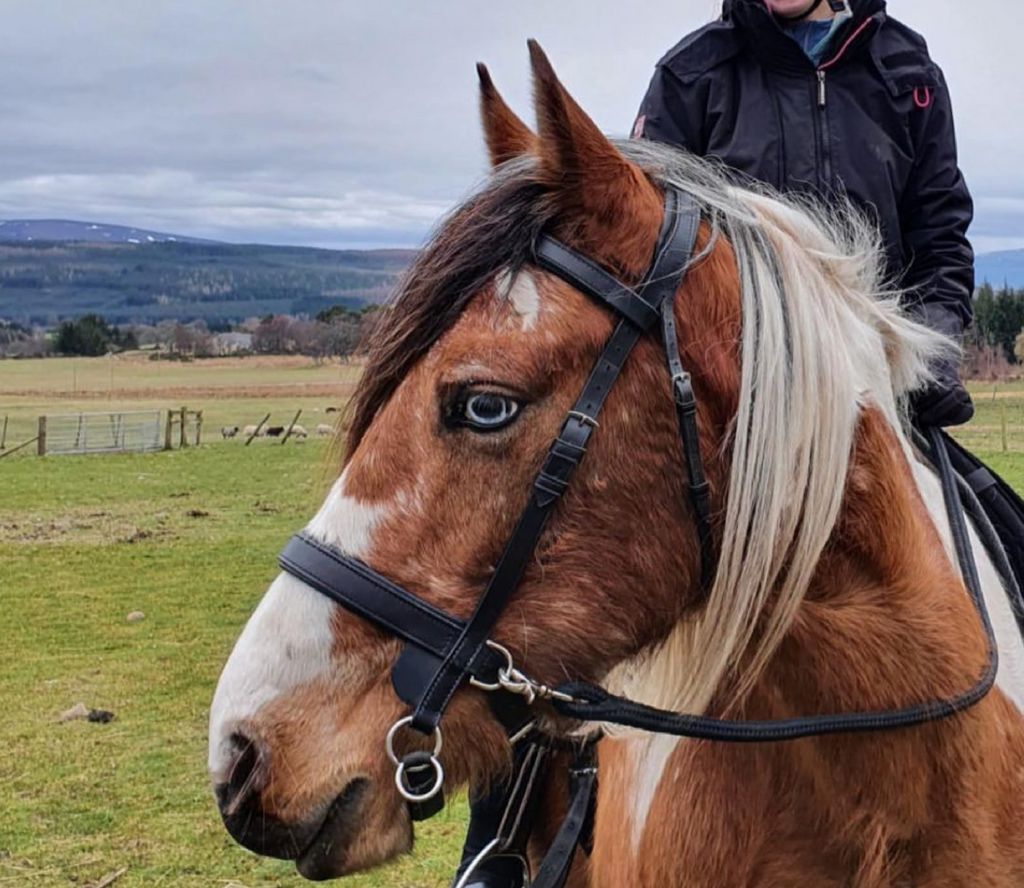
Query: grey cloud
[{"x": 347, "y": 122}]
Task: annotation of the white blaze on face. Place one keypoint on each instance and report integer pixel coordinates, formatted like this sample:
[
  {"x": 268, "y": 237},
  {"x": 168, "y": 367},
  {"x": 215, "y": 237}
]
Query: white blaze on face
[
  {"x": 522, "y": 293},
  {"x": 288, "y": 639}
]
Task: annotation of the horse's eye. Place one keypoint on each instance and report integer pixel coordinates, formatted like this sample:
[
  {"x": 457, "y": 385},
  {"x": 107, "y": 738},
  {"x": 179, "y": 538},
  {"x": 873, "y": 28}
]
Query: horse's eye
[{"x": 485, "y": 411}]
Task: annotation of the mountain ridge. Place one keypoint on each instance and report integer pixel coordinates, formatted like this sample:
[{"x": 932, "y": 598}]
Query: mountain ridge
[
  {"x": 16, "y": 230},
  {"x": 999, "y": 268},
  {"x": 55, "y": 269},
  {"x": 156, "y": 276}
]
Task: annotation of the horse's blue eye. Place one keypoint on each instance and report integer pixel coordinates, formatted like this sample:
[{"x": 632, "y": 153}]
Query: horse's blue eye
[{"x": 487, "y": 411}]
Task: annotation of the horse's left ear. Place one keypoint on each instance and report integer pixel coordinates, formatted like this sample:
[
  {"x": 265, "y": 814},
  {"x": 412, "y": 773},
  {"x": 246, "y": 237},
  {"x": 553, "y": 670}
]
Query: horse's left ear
[
  {"x": 606, "y": 201},
  {"x": 506, "y": 135}
]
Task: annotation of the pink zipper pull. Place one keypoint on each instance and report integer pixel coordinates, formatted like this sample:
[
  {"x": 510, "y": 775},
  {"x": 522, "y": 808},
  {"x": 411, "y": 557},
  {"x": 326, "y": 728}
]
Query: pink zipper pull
[{"x": 821, "y": 88}]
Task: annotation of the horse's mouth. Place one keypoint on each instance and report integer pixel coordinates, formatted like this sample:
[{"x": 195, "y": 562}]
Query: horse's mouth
[{"x": 329, "y": 853}]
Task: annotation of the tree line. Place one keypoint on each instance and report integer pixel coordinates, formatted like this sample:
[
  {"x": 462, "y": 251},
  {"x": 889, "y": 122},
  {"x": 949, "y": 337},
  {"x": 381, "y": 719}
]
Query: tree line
[
  {"x": 995, "y": 337},
  {"x": 999, "y": 321},
  {"x": 337, "y": 332}
]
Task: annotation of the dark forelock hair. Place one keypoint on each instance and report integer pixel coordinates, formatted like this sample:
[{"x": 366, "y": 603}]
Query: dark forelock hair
[{"x": 494, "y": 229}]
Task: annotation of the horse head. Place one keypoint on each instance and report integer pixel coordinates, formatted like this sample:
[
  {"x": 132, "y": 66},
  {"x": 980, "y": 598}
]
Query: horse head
[{"x": 468, "y": 381}]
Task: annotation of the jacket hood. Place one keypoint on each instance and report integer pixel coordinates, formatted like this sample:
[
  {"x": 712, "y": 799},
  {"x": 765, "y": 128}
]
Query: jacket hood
[
  {"x": 769, "y": 42},
  {"x": 861, "y": 8}
]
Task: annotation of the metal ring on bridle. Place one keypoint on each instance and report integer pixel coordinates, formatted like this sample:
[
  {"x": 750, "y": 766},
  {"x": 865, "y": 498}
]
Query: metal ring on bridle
[
  {"x": 435, "y": 787},
  {"x": 503, "y": 672},
  {"x": 389, "y": 741}
]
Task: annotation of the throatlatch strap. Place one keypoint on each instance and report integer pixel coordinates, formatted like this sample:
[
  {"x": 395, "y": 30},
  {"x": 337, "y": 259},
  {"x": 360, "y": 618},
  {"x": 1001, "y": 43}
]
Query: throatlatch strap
[{"x": 557, "y": 863}]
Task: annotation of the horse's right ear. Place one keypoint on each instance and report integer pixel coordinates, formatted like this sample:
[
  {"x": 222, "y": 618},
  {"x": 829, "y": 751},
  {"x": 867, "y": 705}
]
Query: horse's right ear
[{"x": 506, "y": 135}]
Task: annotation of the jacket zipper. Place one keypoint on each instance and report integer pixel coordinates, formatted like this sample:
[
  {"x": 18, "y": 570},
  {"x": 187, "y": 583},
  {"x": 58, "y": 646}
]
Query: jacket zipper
[{"x": 823, "y": 130}]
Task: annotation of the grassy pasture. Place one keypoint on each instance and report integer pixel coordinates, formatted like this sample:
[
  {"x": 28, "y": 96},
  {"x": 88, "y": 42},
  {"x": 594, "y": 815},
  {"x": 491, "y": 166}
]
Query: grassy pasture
[
  {"x": 189, "y": 538},
  {"x": 230, "y": 391}
]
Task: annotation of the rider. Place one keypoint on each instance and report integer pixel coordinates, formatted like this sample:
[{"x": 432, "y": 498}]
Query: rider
[{"x": 828, "y": 98}]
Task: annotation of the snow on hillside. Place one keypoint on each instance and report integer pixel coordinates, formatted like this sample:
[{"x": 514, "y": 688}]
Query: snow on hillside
[{"x": 89, "y": 232}]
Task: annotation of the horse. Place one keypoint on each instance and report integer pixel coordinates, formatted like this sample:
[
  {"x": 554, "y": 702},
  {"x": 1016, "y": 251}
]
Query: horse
[{"x": 834, "y": 588}]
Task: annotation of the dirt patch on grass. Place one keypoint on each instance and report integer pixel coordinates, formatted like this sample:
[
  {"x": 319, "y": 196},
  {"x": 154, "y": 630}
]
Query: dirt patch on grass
[{"x": 92, "y": 527}]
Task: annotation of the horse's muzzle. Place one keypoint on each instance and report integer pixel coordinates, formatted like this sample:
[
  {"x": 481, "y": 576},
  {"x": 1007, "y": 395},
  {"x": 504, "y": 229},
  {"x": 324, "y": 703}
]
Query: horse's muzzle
[{"x": 315, "y": 845}]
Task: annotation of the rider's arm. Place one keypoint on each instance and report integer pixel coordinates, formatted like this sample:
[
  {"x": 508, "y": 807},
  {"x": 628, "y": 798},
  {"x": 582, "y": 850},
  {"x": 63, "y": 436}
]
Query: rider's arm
[
  {"x": 935, "y": 211},
  {"x": 671, "y": 113}
]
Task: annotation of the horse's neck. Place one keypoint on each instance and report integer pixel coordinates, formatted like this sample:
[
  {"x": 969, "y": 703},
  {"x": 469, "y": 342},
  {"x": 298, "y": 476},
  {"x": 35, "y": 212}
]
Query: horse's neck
[{"x": 887, "y": 623}]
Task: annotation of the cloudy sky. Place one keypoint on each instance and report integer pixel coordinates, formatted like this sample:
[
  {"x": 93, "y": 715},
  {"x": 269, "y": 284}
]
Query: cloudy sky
[{"x": 353, "y": 123}]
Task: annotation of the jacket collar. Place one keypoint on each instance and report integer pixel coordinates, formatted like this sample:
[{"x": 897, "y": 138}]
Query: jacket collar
[{"x": 774, "y": 48}]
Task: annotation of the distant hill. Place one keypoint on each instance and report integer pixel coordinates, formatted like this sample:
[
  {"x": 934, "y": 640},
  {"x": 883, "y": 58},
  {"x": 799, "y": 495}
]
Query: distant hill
[
  {"x": 131, "y": 275},
  {"x": 1006, "y": 267},
  {"x": 93, "y": 232}
]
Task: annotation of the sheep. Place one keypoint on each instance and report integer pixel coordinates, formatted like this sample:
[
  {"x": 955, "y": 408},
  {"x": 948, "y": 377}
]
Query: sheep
[
  {"x": 275, "y": 431},
  {"x": 324, "y": 431},
  {"x": 299, "y": 432},
  {"x": 228, "y": 432}
]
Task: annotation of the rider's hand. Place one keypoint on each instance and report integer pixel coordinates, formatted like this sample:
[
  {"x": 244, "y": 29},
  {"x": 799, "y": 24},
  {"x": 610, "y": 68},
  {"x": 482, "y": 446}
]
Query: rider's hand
[{"x": 944, "y": 402}]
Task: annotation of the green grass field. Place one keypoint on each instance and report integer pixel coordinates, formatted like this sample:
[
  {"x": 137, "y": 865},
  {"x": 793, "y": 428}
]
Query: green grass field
[{"x": 190, "y": 538}]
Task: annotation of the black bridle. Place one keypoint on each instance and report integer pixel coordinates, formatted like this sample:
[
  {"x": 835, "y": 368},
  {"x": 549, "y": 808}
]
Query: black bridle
[{"x": 442, "y": 652}]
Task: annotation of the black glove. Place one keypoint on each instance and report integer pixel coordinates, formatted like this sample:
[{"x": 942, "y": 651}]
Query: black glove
[{"x": 944, "y": 402}]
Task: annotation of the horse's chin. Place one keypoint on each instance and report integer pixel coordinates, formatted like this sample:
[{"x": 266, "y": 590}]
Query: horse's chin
[{"x": 347, "y": 843}]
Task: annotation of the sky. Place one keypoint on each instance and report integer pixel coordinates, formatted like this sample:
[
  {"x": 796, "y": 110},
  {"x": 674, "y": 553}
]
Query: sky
[{"x": 351, "y": 123}]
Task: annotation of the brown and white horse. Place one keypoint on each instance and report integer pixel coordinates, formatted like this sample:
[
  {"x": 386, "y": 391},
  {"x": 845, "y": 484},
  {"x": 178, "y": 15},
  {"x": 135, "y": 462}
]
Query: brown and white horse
[{"x": 834, "y": 592}]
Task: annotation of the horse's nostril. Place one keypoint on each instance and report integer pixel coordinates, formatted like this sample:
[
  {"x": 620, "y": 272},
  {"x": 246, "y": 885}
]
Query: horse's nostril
[{"x": 247, "y": 774}]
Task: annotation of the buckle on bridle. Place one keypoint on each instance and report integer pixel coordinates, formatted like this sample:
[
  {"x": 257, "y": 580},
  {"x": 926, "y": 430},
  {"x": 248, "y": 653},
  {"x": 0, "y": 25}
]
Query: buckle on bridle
[
  {"x": 583, "y": 419},
  {"x": 682, "y": 392}
]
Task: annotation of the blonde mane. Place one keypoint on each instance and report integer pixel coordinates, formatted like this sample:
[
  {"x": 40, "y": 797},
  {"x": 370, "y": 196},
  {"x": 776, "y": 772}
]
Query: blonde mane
[{"x": 821, "y": 335}]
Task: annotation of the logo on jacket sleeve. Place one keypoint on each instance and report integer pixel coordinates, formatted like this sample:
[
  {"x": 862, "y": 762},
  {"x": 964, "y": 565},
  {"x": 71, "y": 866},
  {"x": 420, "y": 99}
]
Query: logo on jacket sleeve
[{"x": 638, "y": 127}]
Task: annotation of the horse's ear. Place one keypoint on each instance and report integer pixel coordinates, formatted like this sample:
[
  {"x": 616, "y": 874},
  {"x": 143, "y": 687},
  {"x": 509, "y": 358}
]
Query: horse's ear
[
  {"x": 506, "y": 135},
  {"x": 614, "y": 207}
]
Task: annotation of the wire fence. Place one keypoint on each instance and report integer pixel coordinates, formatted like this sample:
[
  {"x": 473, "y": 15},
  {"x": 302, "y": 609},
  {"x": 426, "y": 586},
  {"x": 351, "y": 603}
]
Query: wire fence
[{"x": 140, "y": 430}]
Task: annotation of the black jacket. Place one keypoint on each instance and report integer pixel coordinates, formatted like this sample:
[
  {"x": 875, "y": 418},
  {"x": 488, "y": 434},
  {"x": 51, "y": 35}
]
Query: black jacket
[{"x": 873, "y": 121}]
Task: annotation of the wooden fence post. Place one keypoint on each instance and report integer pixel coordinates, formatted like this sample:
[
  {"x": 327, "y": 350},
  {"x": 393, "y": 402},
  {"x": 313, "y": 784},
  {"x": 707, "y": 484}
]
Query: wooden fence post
[
  {"x": 263, "y": 422},
  {"x": 199, "y": 426},
  {"x": 287, "y": 434},
  {"x": 168, "y": 441},
  {"x": 1002, "y": 423},
  {"x": 3, "y": 435},
  {"x": 41, "y": 449},
  {"x": 184, "y": 434}
]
